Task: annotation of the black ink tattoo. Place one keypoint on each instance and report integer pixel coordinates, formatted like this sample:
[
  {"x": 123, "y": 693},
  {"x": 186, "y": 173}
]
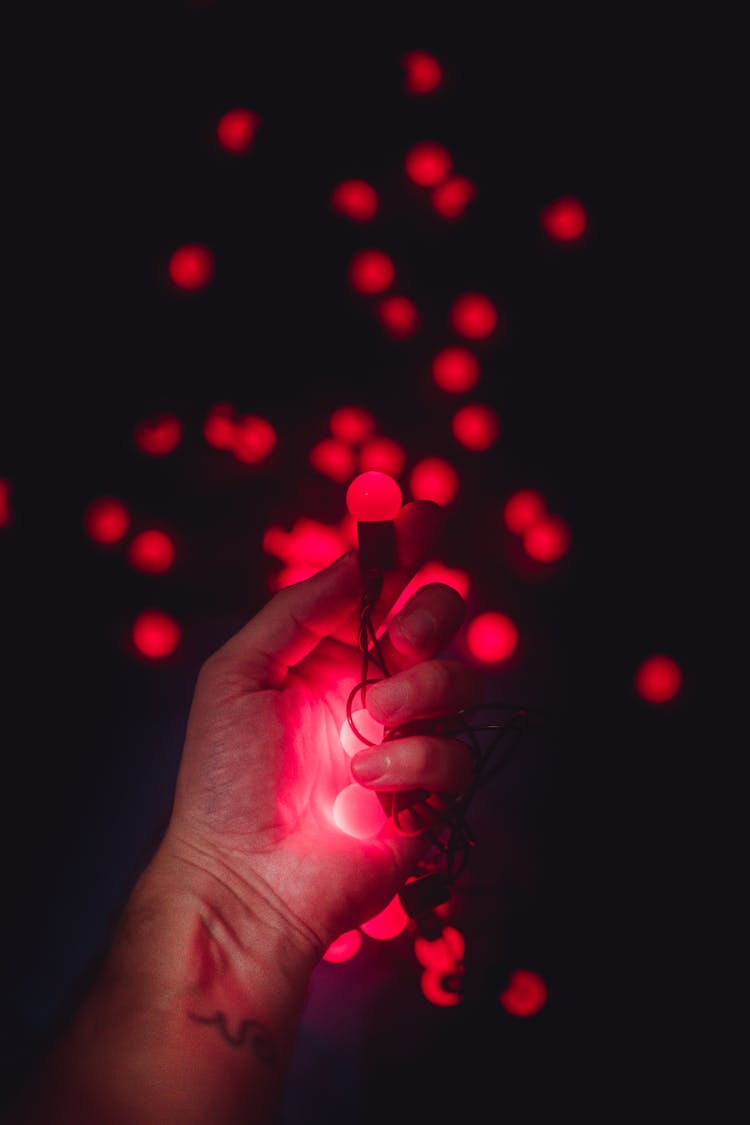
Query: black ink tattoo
[{"x": 249, "y": 1031}]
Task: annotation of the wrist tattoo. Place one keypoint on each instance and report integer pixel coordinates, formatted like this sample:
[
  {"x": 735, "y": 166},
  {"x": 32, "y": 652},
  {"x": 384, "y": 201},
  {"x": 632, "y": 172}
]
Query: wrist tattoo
[{"x": 249, "y": 1032}]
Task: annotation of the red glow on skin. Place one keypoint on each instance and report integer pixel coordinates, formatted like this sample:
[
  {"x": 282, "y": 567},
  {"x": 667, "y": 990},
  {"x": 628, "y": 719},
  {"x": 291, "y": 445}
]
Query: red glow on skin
[
  {"x": 658, "y": 679},
  {"x": 525, "y": 995},
  {"x": 255, "y": 438},
  {"x": 106, "y": 520},
  {"x": 432, "y": 571},
  {"x": 355, "y": 199},
  {"x": 292, "y": 574},
  {"x": 344, "y": 947},
  {"x": 423, "y": 73},
  {"x": 358, "y": 812},
  {"x": 399, "y": 316},
  {"x": 441, "y": 989},
  {"x": 236, "y": 130},
  {"x": 565, "y": 219},
  {"x": 491, "y": 637},
  {"x": 428, "y": 164},
  {"x": 451, "y": 199},
  {"x": 476, "y": 426},
  {"x": 547, "y": 539},
  {"x": 152, "y": 552},
  {"x": 351, "y": 423},
  {"x": 220, "y": 426},
  {"x": 6, "y": 514},
  {"x": 373, "y": 496},
  {"x": 389, "y": 923},
  {"x": 455, "y": 370},
  {"x": 434, "y": 478},
  {"x": 192, "y": 266},
  {"x": 522, "y": 509},
  {"x": 334, "y": 459},
  {"x": 445, "y": 954},
  {"x": 368, "y": 727},
  {"x": 371, "y": 271},
  {"x": 382, "y": 455},
  {"x": 474, "y": 316},
  {"x": 159, "y": 435},
  {"x": 155, "y": 634}
]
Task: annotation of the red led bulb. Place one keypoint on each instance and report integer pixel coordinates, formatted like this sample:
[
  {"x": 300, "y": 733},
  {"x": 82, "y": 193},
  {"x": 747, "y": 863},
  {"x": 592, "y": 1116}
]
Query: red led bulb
[{"x": 374, "y": 500}]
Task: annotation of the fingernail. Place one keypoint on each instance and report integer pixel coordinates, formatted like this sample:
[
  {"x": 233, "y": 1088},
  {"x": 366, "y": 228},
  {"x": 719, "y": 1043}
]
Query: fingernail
[
  {"x": 389, "y": 697},
  {"x": 418, "y": 628},
  {"x": 369, "y": 765}
]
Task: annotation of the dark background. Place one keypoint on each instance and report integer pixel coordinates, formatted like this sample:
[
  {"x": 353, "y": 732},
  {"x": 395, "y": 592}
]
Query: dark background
[{"x": 585, "y": 861}]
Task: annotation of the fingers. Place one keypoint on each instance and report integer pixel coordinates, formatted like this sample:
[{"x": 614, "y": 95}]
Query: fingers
[
  {"x": 292, "y": 623},
  {"x": 441, "y": 765},
  {"x": 428, "y": 622},
  {"x": 434, "y": 687}
]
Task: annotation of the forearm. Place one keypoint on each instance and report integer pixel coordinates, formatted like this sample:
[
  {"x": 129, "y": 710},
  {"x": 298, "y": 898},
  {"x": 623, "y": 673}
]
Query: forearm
[{"x": 193, "y": 1016}]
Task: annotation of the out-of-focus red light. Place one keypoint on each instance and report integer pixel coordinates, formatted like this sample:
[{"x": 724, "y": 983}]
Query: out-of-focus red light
[
  {"x": 255, "y": 438},
  {"x": 474, "y": 316},
  {"x": 658, "y": 679},
  {"x": 6, "y": 514},
  {"x": 152, "y": 552},
  {"x": 368, "y": 727},
  {"x": 476, "y": 426},
  {"x": 358, "y": 812},
  {"x": 383, "y": 455},
  {"x": 155, "y": 634},
  {"x": 220, "y": 426},
  {"x": 389, "y": 923},
  {"x": 434, "y": 478},
  {"x": 106, "y": 520},
  {"x": 373, "y": 496},
  {"x": 491, "y": 637},
  {"x": 432, "y": 571},
  {"x": 236, "y": 130},
  {"x": 547, "y": 539},
  {"x": 522, "y": 509},
  {"x": 525, "y": 995},
  {"x": 192, "y": 266},
  {"x": 333, "y": 458},
  {"x": 351, "y": 423},
  {"x": 159, "y": 435},
  {"x": 428, "y": 164},
  {"x": 455, "y": 370},
  {"x": 451, "y": 199},
  {"x": 444, "y": 954},
  {"x": 422, "y": 73},
  {"x": 371, "y": 271},
  {"x": 399, "y": 316},
  {"x": 564, "y": 219},
  {"x": 355, "y": 199},
  {"x": 344, "y": 947},
  {"x": 442, "y": 989}
]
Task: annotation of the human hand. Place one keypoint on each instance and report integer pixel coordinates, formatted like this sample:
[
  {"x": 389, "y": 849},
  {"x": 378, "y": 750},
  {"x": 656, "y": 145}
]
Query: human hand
[{"x": 263, "y": 761}]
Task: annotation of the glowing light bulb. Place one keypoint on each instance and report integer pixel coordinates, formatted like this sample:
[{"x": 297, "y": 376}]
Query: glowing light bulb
[
  {"x": 522, "y": 509},
  {"x": 344, "y": 947},
  {"x": 358, "y": 812},
  {"x": 371, "y": 271},
  {"x": 565, "y": 219},
  {"x": 423, "y": 74},
  {"x": 389, "y": 923},
  {"x": 368, "y": 727},
  {"x": 428, "y": 164},
  {"x": 455, "y": 370},
  {"x": 155, "y": 634},
  {"x": 382, "y": 454},
  {"x": 658, "y": 679},
  {"x": 547, "y": 539},
  {"x": 152, "y": 552},
  {"x": 476, "y": 426},
  {"x": 106, "y": 520},
  {"x": 159, "y": 435},
  {"x": 192, "y": 266},
  {"x": 356, "y": 200},
  {"x": 451, "y": 198},
  {"x": 525, "y": 995},
  {"x": 434, "y": 478},
  {"x": 474, "y": 316},
  {"x": 373, "y": 497},
  {"x": 236, "y": 130},
  {"x": 491, "y": 637}
]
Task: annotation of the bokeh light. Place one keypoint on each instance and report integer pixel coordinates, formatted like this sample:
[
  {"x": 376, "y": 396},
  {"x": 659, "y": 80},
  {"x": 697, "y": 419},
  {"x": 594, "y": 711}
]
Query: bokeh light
[
  {"x": 358, "y": 812},
  {"x": 351, "y": 423},
  {"x": 152, "y": 552},
  {"x": 455, "y": 370},
  {"x": 565, "y": 219},
  {"x": 441, "y": 989},
  {"x": 192, "y": 266},
  {"x": 399, "y": 316},
  {"x": 522, "y": 509},
  {"x": 450, "y": 199},
  {"x": 254, "y": 440},
  {"x": 6, "y": 513},
  {"x": 106, "y": 520},
  {"x": 383, "y": 455},
  {"x": 476, "y": 426},
  {"x": 155, "y": 634},
  {"x": 434, "y": 478},
  {"x": 491, "y": 637},
  {"x": 389, "y": 923},
  {"x": 356, "y": 200},
  {"x": 220, "y": 426},
  {"x": 236, "y": 130},
  {"x": 547, "y": 539},
  {"x": 443, "y": 954},
  {"x": 423, "y": 73},
  {"x": 658, "y": 679},
  {"x": 525, "y": 995},
  {"x": 428, "y": 164},
  {"x": 333, "y": 458},
  {"x": 159, "y": 435},
  {"x": 344, "y": 947},
  {"x": 371, "y": 271},
  {"x": 474, "y": 316}
]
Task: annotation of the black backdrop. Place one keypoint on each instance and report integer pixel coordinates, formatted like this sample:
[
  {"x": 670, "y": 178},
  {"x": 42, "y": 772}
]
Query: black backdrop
[{"x": 114, "y": 164}]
